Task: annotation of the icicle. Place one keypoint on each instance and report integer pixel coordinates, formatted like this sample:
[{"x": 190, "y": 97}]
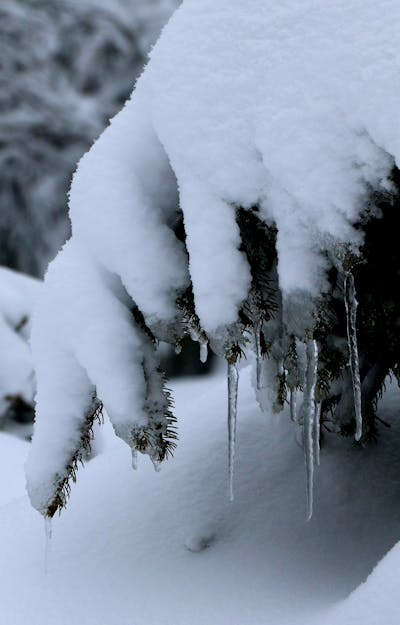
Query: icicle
[
  {"x": 257, "y": 341},
  {"x": 351, "y": 315},
  {"x": 308, "y": 409},
  {"x": 317, "y": 431},
  {"x": 194, "y": 333},
  {"x": 48, "y": 532},
  {"x": 199, "y": 337},
  {"x": 156, "y": 465},
  {"x": 134, "y": 459},
  {"x": 203, "y": 351},
  {"x": 233, "y": 381},
  {"x": 178, "y": 348},
  {"x": 293, "y": 405}
]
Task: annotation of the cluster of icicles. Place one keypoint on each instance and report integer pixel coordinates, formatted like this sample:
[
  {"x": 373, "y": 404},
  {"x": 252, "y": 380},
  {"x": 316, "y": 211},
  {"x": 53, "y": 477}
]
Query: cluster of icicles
[{"x": 309, "y": 415}]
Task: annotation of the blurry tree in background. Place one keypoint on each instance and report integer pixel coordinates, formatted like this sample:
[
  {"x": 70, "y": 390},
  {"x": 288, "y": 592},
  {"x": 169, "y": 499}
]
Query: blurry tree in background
[{"x": 65, "y": 68}]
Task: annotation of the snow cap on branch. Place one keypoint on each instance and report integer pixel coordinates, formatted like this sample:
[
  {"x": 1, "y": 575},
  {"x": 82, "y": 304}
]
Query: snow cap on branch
[{"x": 271, "y": 124}]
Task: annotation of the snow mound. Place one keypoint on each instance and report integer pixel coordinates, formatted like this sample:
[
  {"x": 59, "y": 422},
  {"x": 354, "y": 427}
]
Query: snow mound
[
  {"x": 18, "y": 294},
  {"x": 169, "y": 548},
  {"x": 374, "y": 602},
  {"x": 12, "y": 476},
  {"x": 259, "y": 112}
]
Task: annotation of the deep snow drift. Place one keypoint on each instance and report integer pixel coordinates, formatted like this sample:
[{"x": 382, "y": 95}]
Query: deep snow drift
[{"x": 169, "y": 549}]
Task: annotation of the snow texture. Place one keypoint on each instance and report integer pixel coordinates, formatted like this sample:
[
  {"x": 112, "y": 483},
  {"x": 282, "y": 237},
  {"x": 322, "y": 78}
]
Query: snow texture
[
  {"x": 18, "y": 294},
  {"x": 12, "y": 477},
  {"x": 170, "y": 549},
  {"x": 288, "y": 107}
]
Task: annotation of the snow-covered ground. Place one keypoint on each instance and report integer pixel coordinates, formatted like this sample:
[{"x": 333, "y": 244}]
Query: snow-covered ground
[
  {"x": 12, "y": 477},
  {"x": 18, "y": 295},
  {"x": 168, "y": 548}
]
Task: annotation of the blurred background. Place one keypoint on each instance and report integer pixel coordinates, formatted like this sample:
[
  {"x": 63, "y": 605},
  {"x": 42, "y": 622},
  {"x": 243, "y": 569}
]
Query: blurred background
[{"x": 66, "y": 67}]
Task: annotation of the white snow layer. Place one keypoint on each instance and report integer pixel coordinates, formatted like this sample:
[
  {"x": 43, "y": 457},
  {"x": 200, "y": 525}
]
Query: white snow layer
[
  {"x": 168, "y": 548},
  {"x": 18, "y": 294},
  {"x": 292, "y": 106},
  {"x": 12, "y": 477}
]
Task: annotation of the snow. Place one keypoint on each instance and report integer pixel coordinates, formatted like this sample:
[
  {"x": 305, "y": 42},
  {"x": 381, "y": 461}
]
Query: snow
[
  {"x": 170, "y": 549},
  {"x": 241, "y": 105},
  {"x": 288, "y": 107},
  {"x": 137, "y": 244},
  {"x": 258, "y": 112},
  {"x": 12, "y": 476},
  {"x": 376, "y": 600},
  {"x": 18, "y": 294},
  {"x": 263, "y": 111},
  {"x": 65, "y": 390}
]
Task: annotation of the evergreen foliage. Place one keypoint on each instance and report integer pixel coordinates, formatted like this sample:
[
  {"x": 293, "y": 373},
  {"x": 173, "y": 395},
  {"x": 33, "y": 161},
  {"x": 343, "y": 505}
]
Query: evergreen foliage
[{"x": 267, "y": 254}]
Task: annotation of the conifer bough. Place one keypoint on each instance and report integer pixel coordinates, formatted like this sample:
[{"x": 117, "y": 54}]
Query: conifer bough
[{"x": 245, "y": 196}]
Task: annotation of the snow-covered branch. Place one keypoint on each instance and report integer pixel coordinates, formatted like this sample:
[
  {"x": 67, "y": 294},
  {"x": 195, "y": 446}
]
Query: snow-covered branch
[{"x": 231, "y": 195}]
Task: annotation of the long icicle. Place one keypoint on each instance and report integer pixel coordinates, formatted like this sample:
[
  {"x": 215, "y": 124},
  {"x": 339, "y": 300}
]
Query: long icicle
[
  {"x": 351, "y": 316},
  {"x": 203, "y": 351},
  {"x": 309, "y": 417},
  {"x": 293, "y": 405},
  {"x": 257, "y": 341},
  {"x": 317, "y": 431},
  {"x": 233, "y": 381}
]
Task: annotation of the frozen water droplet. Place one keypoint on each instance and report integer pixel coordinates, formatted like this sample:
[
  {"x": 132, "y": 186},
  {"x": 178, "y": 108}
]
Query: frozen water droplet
[
  {"x": 156, "y": 465},
  {"x": 203, "y": 351},
  {"x": 178, "y": 348},
  {"x": 233, "y": 382},
  {"x": 194, "y": 333}
]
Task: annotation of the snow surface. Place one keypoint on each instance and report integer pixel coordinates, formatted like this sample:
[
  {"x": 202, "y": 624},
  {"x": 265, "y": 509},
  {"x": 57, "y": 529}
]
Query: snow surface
[
  {"x": 288, "y": 105},
  {"x": 169, "y": 549},
  {"x": 250, "y": 106},
  {"x": 12, "y": 475},
  {"x": 18, "y": 294}
]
